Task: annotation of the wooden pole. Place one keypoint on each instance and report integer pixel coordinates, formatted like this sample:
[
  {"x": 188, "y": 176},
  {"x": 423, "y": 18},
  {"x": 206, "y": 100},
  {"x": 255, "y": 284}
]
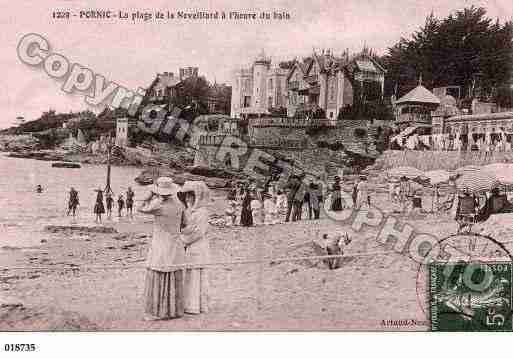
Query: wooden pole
[{"x": 109, "y": 148}]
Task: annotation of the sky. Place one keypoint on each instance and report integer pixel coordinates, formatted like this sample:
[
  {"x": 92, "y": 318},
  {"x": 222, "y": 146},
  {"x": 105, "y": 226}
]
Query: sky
[{"x": 130, "y": 53}]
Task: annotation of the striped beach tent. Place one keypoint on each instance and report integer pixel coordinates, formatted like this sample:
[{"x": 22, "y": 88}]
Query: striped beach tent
[{"x": 476, "y": 182}]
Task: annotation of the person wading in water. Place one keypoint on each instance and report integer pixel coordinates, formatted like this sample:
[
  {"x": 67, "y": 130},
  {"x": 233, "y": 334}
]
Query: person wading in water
[
  {"x": 73, "y": 201},
  {"x": 121, "y": 205},
  {"x": 130, "y": 201},
  {"x": 98, "y": 206},
  {"x": 109, "y": 201}
]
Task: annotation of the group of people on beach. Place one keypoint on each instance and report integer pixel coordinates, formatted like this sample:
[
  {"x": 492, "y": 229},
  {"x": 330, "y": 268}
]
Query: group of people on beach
[
  {"x": 99, "y": 208},
  {"x": 175, "y": 282},
  {"x": 278, "y": 201},
  {"x": 408, "y": 195}
]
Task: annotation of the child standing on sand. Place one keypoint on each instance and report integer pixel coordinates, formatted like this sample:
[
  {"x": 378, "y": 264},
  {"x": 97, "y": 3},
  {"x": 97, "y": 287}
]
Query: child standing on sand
[{"x": 231, "y": 214}]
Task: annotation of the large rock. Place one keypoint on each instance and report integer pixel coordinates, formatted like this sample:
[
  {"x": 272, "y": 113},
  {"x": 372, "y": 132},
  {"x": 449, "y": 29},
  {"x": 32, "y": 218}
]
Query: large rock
[{"x": 213, "y": 172}]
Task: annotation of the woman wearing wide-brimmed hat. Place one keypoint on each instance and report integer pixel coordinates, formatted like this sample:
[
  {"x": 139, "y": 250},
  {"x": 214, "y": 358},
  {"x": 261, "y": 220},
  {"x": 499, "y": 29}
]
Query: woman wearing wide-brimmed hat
[
  {"x": 196, "y": 196},
  {"x": 164, "y": 281}
]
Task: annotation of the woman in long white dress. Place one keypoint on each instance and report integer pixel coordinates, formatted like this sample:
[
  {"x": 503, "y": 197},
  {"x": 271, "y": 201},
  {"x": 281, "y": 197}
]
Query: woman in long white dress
[
  {"x": 194, "y": 228},
  {"x": 164, "y": 286}
]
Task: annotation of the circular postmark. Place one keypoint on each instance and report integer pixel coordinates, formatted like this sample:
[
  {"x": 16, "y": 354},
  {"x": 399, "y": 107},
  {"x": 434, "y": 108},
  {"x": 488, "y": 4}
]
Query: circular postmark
[{"x": 468, "y": 285}]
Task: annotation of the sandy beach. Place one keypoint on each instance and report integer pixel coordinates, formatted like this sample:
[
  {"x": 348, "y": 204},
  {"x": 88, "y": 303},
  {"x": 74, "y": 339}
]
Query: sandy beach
[
  {"x": 84, "y": 276},
  {"x": 69, "y": 282}
]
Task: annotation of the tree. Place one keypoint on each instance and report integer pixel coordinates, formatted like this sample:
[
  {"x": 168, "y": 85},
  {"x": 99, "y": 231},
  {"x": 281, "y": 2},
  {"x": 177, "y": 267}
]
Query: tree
[
  {"x": 505, "y": 96},
  {"x": 466, "y": 48},
  {"x": 193, "y": 91}
]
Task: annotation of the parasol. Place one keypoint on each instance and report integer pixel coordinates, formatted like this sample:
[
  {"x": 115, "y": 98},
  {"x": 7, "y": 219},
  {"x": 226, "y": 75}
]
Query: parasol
[{"x": 477, "y": 181}]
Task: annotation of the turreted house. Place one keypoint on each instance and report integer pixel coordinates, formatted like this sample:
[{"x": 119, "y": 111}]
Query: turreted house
[
  {"x": 324, "y": 81},
  {"x": 321, "y": 81},
  {"x": 258, "y": 88}
]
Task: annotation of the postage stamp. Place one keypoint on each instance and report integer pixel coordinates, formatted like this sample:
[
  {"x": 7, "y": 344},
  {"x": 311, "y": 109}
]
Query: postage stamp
[{"x": 471, "y": 296}]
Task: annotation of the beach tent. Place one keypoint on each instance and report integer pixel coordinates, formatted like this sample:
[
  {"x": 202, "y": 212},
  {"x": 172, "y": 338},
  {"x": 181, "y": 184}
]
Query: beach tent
[
  {"x": 405, "y": 171},
  {"x": 476, "y": 182},
  {"x": 437, "y": 176},
  {"x": 502, "y": 171}
]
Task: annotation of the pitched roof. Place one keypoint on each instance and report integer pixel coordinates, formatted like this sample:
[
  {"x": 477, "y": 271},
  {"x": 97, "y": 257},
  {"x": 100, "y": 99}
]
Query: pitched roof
[
  {"x": 297, "y": 65},
  {"x": 305, "y": 65},
  {"x": 419, "y": 94}
]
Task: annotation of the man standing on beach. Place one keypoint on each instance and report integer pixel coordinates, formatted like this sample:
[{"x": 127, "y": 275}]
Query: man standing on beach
[
  {"x": 299, "y": 198},
  {"x": 292, "y": 187}
]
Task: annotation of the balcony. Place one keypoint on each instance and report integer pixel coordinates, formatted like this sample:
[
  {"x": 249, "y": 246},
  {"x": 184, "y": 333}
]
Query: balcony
[
  {"x": 413, "y": 118},
  {"x": 293, "y": 85},
  {"x": 315, "y": 90},
  {"x": 307, "y": 107},
  {"x": 312, "y": 79}
]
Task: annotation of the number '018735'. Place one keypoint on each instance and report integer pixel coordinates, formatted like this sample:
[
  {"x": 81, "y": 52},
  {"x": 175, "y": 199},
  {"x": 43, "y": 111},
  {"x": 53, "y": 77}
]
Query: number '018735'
[{"x": 19, "y": 347}]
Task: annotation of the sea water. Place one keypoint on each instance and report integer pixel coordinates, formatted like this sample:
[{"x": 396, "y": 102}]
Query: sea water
[{"x": 24, "y": 213}]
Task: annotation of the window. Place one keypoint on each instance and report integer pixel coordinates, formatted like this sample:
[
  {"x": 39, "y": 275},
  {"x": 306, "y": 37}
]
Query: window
[
  {"x": 270, "y": 84},
  {"x": 332, "y": 89},
  {"x": 247, "y": 101},
  {"x": 270, "y": 103},
  {"x": 331, "y": 114},
  {"x": 360, "y": 133}
]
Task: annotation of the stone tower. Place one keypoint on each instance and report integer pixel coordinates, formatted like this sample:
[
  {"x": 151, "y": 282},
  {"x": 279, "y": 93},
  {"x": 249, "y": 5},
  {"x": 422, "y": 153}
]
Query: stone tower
[{"x": 260, "y": 70}]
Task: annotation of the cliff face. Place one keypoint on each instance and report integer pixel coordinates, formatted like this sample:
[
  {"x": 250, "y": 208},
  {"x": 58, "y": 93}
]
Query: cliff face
[{"x": 351, "y": 146}]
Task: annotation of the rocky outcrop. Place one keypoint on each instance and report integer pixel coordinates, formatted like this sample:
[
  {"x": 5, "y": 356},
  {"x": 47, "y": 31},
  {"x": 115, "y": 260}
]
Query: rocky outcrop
[
  {"x": 82, "y": 229},
  {"x": 147, "y": 176},
  {"x": 38, "y": 155}
]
